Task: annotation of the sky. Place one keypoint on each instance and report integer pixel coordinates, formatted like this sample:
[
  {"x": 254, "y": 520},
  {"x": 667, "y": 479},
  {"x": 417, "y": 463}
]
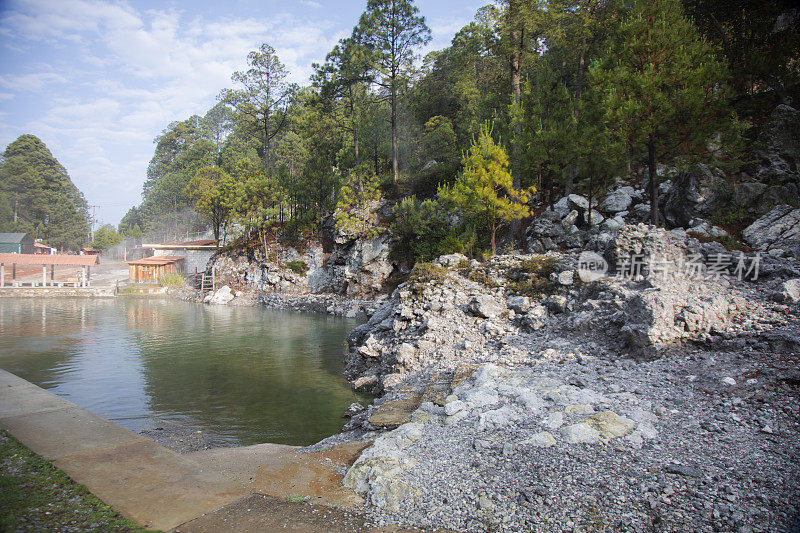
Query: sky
[{"x": 97, "y": 80}]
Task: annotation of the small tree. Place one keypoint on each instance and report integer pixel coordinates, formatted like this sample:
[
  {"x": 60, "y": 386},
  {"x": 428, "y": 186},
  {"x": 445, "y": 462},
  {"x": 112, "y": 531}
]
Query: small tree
[
  {"x": 358, "y": 198},
  {"x": 257, "y": 201},
  {"x": 212, "y": 190},
  {"x": 105, "y": 237},
  {"x": 485, "y": 188},
  {"x": 663, "y": 88}
]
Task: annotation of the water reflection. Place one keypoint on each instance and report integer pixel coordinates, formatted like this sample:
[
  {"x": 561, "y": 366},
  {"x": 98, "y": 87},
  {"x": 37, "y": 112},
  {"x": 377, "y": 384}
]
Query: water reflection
[{"x": 242, "y": 375}]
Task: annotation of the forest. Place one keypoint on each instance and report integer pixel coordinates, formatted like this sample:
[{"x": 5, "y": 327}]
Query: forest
[{"x": 531, "y": 100}]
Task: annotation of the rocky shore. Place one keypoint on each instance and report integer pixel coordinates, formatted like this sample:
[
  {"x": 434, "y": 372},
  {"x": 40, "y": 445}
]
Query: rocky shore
[{"x": 529, "y": 394}]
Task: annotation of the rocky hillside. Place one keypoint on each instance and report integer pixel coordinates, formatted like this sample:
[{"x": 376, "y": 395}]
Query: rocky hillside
[{"x": 656, "y": 398}]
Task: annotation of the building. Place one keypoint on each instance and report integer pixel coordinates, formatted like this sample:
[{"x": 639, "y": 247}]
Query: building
[
  {"x": 196, "y": 254},
  {"x": 152, "y": 268},
  {"x": 16, "y": 243},
  {"x": 42, "y": 249},
  {"x": 44, "y": 261}
]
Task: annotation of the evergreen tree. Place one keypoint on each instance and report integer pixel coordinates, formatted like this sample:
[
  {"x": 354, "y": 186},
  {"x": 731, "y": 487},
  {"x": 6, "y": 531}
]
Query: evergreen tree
[
  {"x": 485, "y": 188},
  {"x": 263, "y": 95},
  {"x": 663, "y": 88},
  {"x": 390, "y": 30},
  {"x": 41, "y": 196}
]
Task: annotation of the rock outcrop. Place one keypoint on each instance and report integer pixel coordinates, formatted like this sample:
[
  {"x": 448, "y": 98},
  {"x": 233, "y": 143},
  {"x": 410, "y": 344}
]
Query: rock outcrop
[
  {"x": 697, "y": 193},
  {"x": 777, "y": 232}
]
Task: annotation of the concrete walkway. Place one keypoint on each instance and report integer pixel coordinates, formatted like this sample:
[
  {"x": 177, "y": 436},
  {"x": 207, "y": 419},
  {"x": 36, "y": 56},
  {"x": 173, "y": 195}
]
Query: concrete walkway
[{"x": 161, "y": 489}]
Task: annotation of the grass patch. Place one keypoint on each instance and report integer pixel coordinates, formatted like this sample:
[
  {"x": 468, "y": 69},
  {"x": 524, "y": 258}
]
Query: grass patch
[
  {"x": 36, "y": 496},
  {"x": 478, "y": 275},
  {"x": 172, "y": 280},
  {"x": 296, "y": 498},
  {"x": 728, "y": 242},
  {"x": 424, "y": 273},
  {"x": 298, "y": 267},
  {"x": 532, "y": 277}
]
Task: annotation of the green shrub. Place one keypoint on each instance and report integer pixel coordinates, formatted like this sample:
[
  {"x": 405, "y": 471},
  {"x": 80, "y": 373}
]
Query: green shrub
[
  {"x": 478, "y": 274},
  {"x": 425, "y": 273},
  {"x": 172, "y": 280},
  {"x": 532, "y": 278},
  {"x": 298, "y": 267},
  {"x": 360, "y": 191}
]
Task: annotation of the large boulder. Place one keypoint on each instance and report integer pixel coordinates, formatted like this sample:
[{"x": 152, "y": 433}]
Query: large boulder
[
  {"x": 782, "y": 133},
  {"x": 697, "y": 193},
  {"x": 619, "y": 200},
  {"x": 778, "y": 230},
  {"x": 666, "y": 304},
  {"x": 222, "y": 296}
]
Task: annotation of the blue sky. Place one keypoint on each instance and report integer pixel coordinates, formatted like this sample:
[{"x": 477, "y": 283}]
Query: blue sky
[{"x": 97, "y": 81}]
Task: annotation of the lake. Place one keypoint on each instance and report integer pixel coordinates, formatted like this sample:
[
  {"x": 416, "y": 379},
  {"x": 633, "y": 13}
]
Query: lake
[{"x": 241, "y": 375}]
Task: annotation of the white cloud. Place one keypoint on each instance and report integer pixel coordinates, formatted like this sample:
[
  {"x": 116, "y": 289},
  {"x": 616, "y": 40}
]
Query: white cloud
[
  {"x": 31, "y": 82},
  {"x": 102, "y": 79}
]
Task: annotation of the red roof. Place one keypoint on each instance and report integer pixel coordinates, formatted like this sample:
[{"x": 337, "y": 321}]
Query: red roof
[
  {"x": 49, "y": 259},
  {"x": 184, "y": 244},
  {"x": 42, "y": 245},
  {"x": 156, "y": 261}
]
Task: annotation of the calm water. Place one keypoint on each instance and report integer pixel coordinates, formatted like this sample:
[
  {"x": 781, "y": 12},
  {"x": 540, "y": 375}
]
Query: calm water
[{"x": 242, "y": 375}]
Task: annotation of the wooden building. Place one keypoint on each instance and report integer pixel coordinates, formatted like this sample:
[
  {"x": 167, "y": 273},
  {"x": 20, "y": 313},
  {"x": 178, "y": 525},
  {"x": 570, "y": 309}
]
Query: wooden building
[
  {"x": 152, "y": 268},
  {"x": 16, "y": 243},
  {"x": 43, "y": 249}
]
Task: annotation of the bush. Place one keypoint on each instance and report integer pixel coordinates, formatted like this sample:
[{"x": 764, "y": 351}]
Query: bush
[
  {"x": 298, "y": 267},
  {"x": 426, "y": 273},
  {"x": 354, "y": 215},
  {"x": 172, "y": 281},
  {"x": 532, "y": 278},
  {"x": 425, "y": 231}
]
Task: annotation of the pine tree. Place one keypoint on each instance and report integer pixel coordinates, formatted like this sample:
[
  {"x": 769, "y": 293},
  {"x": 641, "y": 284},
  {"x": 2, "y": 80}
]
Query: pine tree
[
  {"x": 663, "y": 88},
  {"x": 485, "y": 188},
  {"x": 43, "y": 200}
]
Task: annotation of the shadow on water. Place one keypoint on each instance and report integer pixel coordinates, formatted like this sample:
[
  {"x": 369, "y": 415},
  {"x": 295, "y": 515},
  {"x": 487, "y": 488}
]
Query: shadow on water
[{"x": 241, "y": 375}]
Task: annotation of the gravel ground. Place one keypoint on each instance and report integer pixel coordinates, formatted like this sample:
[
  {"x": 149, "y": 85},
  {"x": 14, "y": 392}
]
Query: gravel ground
[{"x": 723, "y": 459}]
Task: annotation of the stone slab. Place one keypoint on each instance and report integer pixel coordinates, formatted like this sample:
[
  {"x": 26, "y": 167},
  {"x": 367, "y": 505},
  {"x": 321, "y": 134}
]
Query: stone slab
[
  {"x": 54, "y": 434},
  {"x": 154, "y": 486},
  {"x": 286, "y": 471},
  {"x": 18, "y": 397},
  {"x": 267, "y": 514}
]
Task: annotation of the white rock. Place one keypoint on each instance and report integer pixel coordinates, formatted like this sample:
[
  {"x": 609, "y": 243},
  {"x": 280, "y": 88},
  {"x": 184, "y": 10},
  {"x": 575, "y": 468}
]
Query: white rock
[
  {"x": 452, "y": 408},
  {"x": 729, "y": 381},
  {"x": 222, "y": 296},
  {"x": 554, "y": 420},
  {"x": 617, "y": 201},
  {"x": 566, "y": 278},
  {"x": 543, "y": 439},
  {"x": 580, "y": 433},
  {"x": 497, "y": 418}
]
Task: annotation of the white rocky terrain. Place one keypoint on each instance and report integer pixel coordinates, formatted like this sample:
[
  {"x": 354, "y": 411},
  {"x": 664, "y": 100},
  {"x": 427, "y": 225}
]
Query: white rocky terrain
[{"x": 662, "y": 403}]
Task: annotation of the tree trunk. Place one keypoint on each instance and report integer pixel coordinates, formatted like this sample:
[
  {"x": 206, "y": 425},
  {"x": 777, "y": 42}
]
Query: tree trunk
[
  {"x": 16, "y": 204},
  {"x": 579, "y": 84},
  {"x": 375, "y": 152},
  {"x": 494, "y": 232},
  {"x": 395, "y": 171},
  {"x": 651, "y": 168},
  {"x": 589, "y": 210},
  {"x": 516, "y": 53},
  {"x": 355, "y": 125},
  {"x": 266, "y": 141}
]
